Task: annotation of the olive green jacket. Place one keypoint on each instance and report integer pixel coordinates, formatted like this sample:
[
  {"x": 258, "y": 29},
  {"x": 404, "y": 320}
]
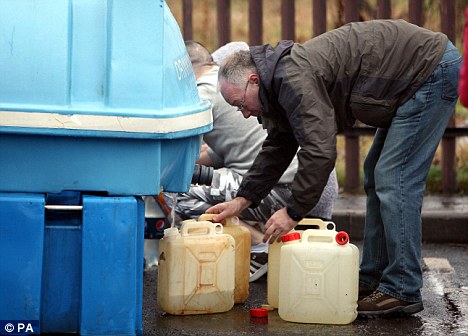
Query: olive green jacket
[{"x": 311, "y": 92}]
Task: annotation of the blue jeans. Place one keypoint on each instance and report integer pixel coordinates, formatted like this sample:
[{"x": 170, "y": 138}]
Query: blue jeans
[{"x": 395, "y": 172}]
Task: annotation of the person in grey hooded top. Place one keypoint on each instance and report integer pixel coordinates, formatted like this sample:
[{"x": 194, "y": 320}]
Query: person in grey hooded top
[{"x": 389, "y": 74}]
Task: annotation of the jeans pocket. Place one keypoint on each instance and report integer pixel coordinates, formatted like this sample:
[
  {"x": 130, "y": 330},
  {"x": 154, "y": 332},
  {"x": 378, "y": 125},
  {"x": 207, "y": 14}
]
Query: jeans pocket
[{"x": 450, "y": 77}]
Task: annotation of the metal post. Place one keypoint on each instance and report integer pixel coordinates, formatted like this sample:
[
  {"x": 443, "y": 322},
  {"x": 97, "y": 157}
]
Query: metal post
[
  {"x": 319, "y": 17},
  {"x": 351, "y": 14},
  {"x": 384, "y": 10},
  {"x": 224, "y": 21},
  {"x": 287, "y": 20},
  {"x": 187, "y": 24},
  {"x": 352, "y": 164},
  {"x": 351, "y": 10},
  {"x": 416, "y": 12},
  {"x": 449, "y": 179},
  {"x": 255, "y": 22}
]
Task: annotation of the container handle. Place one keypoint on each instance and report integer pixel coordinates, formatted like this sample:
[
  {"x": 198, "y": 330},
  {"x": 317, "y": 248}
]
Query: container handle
[
  {"x": 330, "y": 226},
  {"x": 318, "y": 236},
  {"x": 200, "y": 228},
  {"x": 314, "y": 222},
  {"x": 317, "y": 222},
  {"x": 233, "y": 220}
]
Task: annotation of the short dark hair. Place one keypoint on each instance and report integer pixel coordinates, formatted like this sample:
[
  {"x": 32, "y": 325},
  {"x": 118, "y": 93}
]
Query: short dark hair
[{"x": 199, "y": 55}]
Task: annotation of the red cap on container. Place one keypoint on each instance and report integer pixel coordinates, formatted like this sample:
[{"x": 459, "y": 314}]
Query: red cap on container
[
  {"x": 258, "y": 312},
  {"x": 342, "y": 238},
  {"x": 290, "y": 236}
]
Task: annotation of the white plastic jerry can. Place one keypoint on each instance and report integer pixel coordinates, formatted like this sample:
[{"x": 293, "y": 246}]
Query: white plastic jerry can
[
  {"x": 319, "y": 275},
  {"x": 242, "y": 238},
  {"x": 274, "y": 258},
  {"x": 196, "y": 269}
]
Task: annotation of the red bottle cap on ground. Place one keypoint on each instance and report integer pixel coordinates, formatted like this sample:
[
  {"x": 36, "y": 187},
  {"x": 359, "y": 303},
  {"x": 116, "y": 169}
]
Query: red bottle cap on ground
[
  {"x": 290, "y": 236},
  {"x": 258, "y": 312}
]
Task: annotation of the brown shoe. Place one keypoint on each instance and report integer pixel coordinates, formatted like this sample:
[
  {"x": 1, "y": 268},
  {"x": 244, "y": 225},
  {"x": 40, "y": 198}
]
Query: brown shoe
[{"x": 379, "y": 304}]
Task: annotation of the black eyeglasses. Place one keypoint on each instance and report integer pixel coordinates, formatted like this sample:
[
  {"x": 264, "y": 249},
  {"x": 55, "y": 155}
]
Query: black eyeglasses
[{"x": 241, "y": 106}]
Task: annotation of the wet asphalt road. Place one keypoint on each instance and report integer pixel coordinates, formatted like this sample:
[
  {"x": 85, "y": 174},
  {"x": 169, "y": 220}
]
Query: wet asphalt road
[{"x": 445, "y": 297}]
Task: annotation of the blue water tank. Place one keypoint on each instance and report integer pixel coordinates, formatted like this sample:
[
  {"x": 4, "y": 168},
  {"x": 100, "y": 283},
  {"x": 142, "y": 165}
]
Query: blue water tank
[
  {"x": 69, "y": 268},
  {"x": 96, "y": 96}
]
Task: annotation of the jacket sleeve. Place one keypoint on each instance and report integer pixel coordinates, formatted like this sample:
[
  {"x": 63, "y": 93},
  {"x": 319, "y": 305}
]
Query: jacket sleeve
[
  {"x": 276, "y": 154},
  {"x": 311, "y": 115}
]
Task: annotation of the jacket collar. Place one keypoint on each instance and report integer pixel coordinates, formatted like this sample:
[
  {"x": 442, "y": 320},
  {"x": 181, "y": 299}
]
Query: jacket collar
[{"x": 266, "y": 58}]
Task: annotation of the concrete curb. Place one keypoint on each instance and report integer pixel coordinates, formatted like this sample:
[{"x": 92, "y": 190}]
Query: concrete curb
[{"x": 444, "y": 219}]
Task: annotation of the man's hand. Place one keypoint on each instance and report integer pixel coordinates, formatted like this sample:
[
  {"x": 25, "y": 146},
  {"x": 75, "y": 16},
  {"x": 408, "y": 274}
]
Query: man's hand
[
  {"x": 229, "y": 209},
  {"x": 278, "y": 224}
]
